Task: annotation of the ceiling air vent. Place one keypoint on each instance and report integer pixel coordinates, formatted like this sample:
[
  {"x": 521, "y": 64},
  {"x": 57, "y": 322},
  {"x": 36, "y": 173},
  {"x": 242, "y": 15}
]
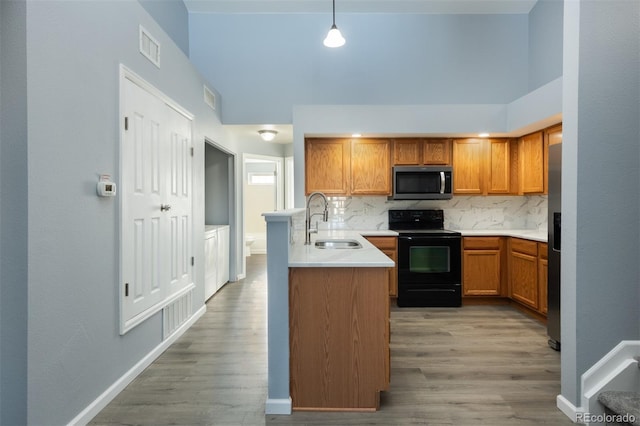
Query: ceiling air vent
[
  {"x": 149, "y": 47},
  {"x": 209, "y": 98}
]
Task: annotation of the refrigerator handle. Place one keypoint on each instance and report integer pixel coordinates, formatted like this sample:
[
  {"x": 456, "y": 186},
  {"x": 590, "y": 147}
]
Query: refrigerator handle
[{"x": 557, "y": 230}]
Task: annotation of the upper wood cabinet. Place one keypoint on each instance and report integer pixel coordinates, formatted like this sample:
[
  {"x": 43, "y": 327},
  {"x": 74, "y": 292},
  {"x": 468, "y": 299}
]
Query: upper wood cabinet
[
  {"x": 436, "y": 151},
  {"x": 337, "y": 166},
  {"x": 407, "y": 152},
  {"x": 468, "y": 166},
  {"x": 498, "y": 173},
  {"x": 552, "y": 136},
  {"x": 327, "y": 166},
  {"x": 418, "y": 152},
  {"x": 370, "y": 167},
  {"x": 531, "y": 153}
]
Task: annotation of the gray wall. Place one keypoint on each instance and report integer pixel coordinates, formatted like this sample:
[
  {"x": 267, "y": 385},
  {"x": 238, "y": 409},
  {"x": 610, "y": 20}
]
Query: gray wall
[
  {"x": 216, "y": 186},
  {"x": 545, "y": 42},
  {"x": 601, "y": 184},
  {"x": 13, "y": 213},
  {"x": 173, "y": 17},
  {"x": 61, "y": 347},
  {"x": 266, "y": 63}
]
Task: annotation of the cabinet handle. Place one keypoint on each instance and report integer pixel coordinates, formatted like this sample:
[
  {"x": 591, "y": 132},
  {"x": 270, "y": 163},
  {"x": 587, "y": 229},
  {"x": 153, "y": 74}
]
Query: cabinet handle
[{"x": 165, "y": 207}]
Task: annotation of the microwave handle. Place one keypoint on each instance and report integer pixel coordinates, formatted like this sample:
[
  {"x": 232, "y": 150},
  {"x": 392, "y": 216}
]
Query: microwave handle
[{"x": 442, "y": 183}]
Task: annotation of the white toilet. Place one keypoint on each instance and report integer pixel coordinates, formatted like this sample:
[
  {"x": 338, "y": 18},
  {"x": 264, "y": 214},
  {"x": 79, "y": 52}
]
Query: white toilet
[{"x": 248, "y": 242}]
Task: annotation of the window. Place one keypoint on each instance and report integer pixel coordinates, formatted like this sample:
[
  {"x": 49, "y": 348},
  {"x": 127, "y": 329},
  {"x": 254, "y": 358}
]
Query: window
[{"x": 257, "y": 178}]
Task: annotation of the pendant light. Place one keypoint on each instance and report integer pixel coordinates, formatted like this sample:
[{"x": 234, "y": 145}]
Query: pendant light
[{"x": 334, "y": 38}]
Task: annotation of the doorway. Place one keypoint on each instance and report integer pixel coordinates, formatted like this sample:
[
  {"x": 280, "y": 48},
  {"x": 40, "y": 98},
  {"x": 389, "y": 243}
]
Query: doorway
[
  {"x": 263, "y": 192},
  {"x": 220, "y": 199}
]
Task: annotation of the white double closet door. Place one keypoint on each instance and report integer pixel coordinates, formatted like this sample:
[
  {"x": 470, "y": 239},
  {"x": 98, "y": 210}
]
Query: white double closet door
[{"x": 156, "y": 211}]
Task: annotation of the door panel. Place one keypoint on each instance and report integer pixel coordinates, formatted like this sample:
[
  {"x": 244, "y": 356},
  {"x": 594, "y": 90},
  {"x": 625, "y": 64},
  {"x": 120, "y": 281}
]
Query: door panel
[{"x": 156, "y": 219}]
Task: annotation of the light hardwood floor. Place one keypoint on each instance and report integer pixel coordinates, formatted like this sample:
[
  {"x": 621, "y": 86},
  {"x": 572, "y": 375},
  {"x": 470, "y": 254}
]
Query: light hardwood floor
[{"x": 476, "y": 365}]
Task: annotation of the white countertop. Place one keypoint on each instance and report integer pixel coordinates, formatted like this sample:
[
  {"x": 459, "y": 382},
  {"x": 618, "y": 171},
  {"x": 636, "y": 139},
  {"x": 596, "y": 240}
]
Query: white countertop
[
  {"x": 529, "y": 234},
  {"x": 303, "y": 256}
]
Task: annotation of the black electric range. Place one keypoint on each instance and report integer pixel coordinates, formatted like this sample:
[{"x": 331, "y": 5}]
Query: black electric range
[{"x": 429, "y": 259}]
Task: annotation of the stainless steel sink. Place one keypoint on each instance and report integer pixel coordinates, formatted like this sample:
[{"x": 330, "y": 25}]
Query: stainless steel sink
[{"x": 338, "y": 244}]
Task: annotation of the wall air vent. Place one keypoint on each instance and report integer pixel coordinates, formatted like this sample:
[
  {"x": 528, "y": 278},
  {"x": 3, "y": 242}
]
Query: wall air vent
[
  {"x": 149, "y": 47},
  {"x": 209, "y": 98}
]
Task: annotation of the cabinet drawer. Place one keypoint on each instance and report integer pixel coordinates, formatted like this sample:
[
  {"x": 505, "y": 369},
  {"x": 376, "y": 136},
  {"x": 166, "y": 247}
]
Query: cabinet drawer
[
  {"x": 481, "y": 243},
  {"x": 524, "y": 246},
  {"x": 542, "y": 247},
  {"x": 383, "y": 243}
]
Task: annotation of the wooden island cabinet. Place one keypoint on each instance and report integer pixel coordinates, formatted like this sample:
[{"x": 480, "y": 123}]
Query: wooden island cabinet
[{"x": 339, "y": 338}]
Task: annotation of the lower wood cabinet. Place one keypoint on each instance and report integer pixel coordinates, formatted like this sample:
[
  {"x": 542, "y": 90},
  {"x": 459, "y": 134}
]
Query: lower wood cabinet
[
  {"x": 505, "y": 267},
  {"x": 543, "y": 268},
  {"x": 389, "y": 246},
  {"x": 523, "y": 272},
  {"x": 482, "y": 270}
]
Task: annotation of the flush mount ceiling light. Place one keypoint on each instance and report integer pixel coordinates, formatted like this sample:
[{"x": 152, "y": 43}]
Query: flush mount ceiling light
[
  {"x": 334, "y": 38},
  {"x": 267, "y": 135}
]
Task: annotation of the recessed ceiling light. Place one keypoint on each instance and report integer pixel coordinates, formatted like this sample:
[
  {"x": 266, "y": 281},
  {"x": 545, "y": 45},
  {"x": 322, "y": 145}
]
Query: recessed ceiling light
[{"x": 483, "y": 135}]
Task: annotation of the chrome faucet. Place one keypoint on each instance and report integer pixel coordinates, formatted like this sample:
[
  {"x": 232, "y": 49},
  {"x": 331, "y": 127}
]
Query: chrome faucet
[{"x": 307, "y": 222}]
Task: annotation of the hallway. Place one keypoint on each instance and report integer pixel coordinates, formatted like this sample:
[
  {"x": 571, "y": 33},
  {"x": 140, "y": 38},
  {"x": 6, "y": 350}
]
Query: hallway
[{"x": 478, "y": 365}]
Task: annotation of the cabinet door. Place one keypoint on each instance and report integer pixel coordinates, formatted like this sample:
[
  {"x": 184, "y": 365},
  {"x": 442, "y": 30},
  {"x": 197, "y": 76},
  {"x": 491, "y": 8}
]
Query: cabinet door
[
  {"x": 370, "y": 167},
  {"x": 468, "y": 166},
  {"x": 222, "y": 275},
  {"x": 498, "y": 170},
  {"x": 389, "y": 246},
  {"x": 523, "y": 275},
  {"x": 210, "y": 264},
  {"x": 327, "y": 166},
  {"x": 552, "y": 136},
  {"x": 482, "y": 266},
  {"x": 407, "y": 152},
  {"x": 481, "y": 273},
  {"x": 532, "y": 163},
  {"x": 543, "y": 267},
  {"x": 436, "y": 151}
]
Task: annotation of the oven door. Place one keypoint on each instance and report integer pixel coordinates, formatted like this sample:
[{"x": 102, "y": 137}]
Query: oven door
[{"x": 429, "y": 270}]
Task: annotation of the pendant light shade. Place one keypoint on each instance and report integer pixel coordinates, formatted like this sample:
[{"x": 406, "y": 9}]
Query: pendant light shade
[{"x": 334, "y": 38}]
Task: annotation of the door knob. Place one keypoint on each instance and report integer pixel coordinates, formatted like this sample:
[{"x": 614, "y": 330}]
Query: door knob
[{"x": 165, "y": 207}]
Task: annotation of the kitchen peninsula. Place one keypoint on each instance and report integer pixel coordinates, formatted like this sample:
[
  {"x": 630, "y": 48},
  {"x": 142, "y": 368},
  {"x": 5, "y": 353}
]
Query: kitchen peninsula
[{"x": 328, "y": 320}]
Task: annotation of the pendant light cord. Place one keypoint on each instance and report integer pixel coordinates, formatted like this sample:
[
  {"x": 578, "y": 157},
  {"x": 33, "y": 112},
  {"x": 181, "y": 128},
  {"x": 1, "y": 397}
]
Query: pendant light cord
[{"x": 334, "y": 13}]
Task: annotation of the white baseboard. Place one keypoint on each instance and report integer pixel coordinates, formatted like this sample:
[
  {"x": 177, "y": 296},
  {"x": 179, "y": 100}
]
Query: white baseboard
[
  {"x": 112, "y": 391},
  {"x": 568, "y": 408},
  {"x": 278, "y": 406}
]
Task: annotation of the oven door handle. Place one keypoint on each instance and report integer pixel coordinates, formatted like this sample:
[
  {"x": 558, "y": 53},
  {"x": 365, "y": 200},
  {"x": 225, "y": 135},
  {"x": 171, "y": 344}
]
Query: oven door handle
[{"x": 442, "y": 183}]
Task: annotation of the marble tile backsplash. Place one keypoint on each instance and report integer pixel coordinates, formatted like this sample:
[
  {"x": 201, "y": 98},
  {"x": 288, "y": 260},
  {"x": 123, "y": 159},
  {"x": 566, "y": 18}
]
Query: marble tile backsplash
[{"x": 470, "y": 212}]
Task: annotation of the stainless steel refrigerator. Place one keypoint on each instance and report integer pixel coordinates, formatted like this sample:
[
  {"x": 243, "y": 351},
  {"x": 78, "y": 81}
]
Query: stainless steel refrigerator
[{"x": 554, "y": 226}]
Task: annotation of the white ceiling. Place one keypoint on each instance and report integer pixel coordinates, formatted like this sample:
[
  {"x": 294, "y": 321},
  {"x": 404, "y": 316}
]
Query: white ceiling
[
  {"x": 362, "y": 6},
  {"x": 285, "y": 131}
]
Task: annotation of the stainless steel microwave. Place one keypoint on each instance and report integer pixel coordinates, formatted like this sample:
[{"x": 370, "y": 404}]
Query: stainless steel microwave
[{"x": 422, "y": 183}]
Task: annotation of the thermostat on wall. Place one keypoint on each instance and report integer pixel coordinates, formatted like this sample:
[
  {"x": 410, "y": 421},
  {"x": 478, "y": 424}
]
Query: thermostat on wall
[{"x": 106, "y": 188}]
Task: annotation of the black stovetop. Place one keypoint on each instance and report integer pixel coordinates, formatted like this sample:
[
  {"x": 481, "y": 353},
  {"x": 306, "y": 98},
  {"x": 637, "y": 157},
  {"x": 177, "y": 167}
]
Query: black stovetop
[{"x": 419, "y": 222}]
